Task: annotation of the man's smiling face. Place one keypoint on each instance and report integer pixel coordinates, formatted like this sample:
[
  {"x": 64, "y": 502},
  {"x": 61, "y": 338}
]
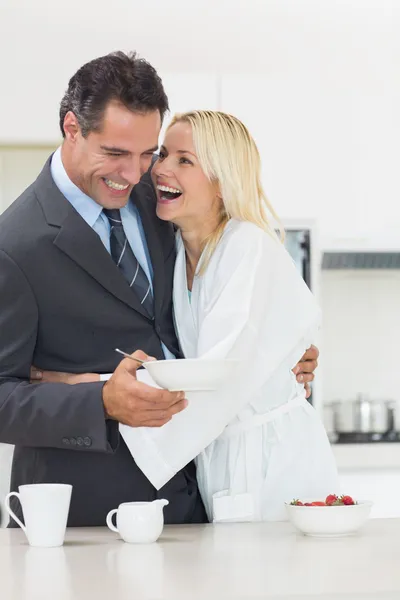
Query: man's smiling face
[{"x": 107, "y": 163}]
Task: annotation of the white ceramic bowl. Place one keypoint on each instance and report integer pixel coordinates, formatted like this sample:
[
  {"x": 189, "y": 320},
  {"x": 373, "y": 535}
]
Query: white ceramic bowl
[
  {"x": 329, "y": 521},
  {"x": 191, "y": 374}
]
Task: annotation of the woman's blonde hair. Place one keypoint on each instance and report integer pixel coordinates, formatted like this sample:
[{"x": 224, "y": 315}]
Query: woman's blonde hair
[{"x": 229, "y": 158}]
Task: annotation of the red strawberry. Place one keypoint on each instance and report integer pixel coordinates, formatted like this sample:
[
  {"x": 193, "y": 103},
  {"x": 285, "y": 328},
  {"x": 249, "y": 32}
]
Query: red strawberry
[
  {"x": 307, "y": 504},
  {"x": 318, "y": 504},
  {"x": 347, "y": 500},
  {"x": 331, "y": 499},
  {"x": 296, "y": 503}
]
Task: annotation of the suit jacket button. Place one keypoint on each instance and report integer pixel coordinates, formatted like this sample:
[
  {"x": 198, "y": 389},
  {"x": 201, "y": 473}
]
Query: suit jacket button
[
  {"x": 79, "y": 441},
  {"x": 65, "y": 441},
  {"x": 72, "y": 441},
  {"x": 87, "y": 441}
]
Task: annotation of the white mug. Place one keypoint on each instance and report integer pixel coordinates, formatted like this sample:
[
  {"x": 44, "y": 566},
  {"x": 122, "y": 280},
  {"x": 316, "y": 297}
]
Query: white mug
[
  {"x": 138, "y": 522},
  {"x": 45, "y": 507}
]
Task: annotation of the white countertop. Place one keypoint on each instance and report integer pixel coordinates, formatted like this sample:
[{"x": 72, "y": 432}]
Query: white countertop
[{"x": 207, "y": 562}]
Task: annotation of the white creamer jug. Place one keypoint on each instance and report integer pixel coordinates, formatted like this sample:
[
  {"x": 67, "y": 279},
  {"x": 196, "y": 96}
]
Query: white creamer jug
[{"x": 138, "y": 522}]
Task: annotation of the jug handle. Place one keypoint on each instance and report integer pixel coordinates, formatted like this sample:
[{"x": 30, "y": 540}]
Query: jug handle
[{"x": 110, "y": 524}]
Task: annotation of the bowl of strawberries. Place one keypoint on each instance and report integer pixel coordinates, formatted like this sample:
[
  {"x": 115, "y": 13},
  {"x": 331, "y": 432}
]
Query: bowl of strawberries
[{"x": 336, "y": 516}]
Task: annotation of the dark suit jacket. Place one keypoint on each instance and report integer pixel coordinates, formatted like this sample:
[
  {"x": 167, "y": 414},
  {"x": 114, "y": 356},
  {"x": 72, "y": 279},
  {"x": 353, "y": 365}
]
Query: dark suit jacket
[{"x": 64, "y": 305}]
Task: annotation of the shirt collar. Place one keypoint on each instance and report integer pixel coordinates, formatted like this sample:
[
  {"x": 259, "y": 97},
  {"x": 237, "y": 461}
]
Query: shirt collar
[{"x": 83, "y": 204}]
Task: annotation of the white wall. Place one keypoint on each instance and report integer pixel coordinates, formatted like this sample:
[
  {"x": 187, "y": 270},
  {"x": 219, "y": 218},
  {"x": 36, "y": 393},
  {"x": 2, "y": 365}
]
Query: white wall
[{"x": 318, "y": 83}]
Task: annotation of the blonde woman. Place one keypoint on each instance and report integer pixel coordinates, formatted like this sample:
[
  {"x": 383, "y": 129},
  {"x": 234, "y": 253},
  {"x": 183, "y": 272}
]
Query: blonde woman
[{"x": 237, "y": 294}]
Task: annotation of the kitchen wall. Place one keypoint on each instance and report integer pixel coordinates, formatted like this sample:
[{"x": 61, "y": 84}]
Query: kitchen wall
[
  {"x": 318, "y": 84},
  {"x": 361, "y": 333},
  {"x": 19, "y": 167}
]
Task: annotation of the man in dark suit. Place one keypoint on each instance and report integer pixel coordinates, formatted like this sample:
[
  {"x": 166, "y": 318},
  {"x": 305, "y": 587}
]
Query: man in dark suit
[
  {"x": 66, "y": 303},
  {"x": 85, "y": 267}
]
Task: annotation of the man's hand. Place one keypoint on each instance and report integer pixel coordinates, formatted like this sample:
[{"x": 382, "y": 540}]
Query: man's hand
[
  {"x": 304, "y": 370},
  {"x": 136, "y": 404}
]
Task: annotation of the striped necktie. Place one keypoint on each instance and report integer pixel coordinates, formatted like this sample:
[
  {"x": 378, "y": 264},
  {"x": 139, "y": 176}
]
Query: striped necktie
[{"x": 125, "y": 260}]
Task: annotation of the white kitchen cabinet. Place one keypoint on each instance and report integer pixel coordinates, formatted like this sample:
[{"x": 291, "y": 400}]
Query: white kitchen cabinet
[
  {"x": 371, "y": 472},
  {"x": 6, "y": 452},
  {"x": 381, "y": 486}
]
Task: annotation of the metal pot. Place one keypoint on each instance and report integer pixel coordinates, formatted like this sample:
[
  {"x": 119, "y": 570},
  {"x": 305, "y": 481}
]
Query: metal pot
[{"x": 362, "y": 415}]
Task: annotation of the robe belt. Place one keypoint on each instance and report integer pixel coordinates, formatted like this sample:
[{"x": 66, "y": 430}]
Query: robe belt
[{"x": 271, "y": 415}]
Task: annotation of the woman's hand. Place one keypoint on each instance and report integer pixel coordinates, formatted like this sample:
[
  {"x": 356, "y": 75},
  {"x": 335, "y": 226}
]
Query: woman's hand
[
  {"x": 41, "y": 376},
  {"x": 304, "y": 370}
]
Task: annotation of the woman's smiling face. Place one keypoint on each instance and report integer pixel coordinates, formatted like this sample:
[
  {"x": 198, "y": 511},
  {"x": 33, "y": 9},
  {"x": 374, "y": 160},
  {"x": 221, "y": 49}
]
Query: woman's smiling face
[{"x": 185, "y": 195}]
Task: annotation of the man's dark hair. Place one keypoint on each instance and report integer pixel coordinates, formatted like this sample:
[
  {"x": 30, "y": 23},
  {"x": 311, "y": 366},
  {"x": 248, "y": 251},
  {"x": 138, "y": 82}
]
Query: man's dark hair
[{"x": 119, "y": 77}]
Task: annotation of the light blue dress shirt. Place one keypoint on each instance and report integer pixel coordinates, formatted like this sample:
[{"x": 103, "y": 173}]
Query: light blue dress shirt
[{"x": 92, "y": 213}]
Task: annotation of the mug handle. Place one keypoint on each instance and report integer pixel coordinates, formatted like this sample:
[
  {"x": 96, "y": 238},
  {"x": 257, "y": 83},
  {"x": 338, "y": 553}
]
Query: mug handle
[
  {"x": 10, "y": 512},
  {"x": 109, "y": 522}
]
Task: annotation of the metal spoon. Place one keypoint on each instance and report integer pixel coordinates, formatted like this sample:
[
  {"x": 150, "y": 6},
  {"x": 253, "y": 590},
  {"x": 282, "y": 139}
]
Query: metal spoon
[{"x": 129, "y": 356}]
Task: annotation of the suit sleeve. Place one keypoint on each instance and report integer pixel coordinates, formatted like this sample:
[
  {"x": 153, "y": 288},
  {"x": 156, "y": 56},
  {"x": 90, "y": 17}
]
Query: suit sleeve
[{"x": 52, "y": 415}]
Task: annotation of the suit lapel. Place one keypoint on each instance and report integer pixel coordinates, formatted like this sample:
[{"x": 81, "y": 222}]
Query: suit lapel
[
  {"x": 83, "y": 246},
  {"x": 78, "y": 241}
]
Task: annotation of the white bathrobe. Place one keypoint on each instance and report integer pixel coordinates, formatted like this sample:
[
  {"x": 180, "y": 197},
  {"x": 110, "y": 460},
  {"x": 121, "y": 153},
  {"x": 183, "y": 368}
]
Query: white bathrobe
[{"x": 258, "y": 441}]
